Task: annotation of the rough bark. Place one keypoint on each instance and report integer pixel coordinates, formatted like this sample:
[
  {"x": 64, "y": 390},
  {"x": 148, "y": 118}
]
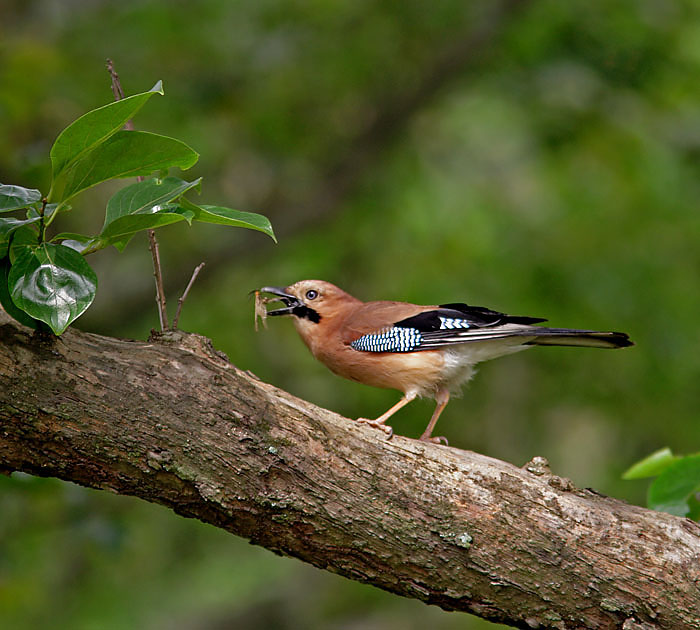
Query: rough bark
[{"x": 173, "y": 422}]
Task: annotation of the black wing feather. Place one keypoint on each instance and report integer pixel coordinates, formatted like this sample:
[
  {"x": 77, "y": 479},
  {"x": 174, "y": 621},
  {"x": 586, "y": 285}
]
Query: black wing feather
[{"x": 477, "y": 316}]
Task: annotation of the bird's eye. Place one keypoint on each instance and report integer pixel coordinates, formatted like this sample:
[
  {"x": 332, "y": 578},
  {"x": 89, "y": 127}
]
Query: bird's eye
[{"x": 311, "y": 294}]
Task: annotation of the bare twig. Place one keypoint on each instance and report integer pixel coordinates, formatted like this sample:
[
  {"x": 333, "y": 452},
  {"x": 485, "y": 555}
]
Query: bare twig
[
  {"x": 118, "y": 92},
  {"x": 116, "y": 83},
  {"x": 182, "y": 299},
  {"x": 158, "y": 275}
]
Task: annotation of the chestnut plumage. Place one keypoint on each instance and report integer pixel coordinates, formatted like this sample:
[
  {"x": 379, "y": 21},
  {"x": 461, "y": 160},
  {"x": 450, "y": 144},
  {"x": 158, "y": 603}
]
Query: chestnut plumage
[{"x": 418, "y": 350}]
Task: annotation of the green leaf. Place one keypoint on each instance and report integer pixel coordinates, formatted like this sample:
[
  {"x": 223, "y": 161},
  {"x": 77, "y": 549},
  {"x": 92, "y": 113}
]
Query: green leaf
[
  {"x": 23, "y": 235},
  {"x": 78, "y": 242},
  {"x": 146, "y": 197},
  {"x": 74, "y": 236},
  {"x": 694, "y": 507},
  {"x": 93, "y": 128},
  {"x": 6, "y": 300},
  {"x": 16, "y": 197},
  {"x": 125, "y": 154},
  {"x": 120, "y": 231},
  {"x": 652, "y": 465},
  {"x": 121, "y": 244},
  {"x": 132, "y": 223},
  {"x": 228, "y": 216},
  {"x": 671, "y": 490},
  {"x": 52, "y": 283},
  {"x": 8, "y": 225}
]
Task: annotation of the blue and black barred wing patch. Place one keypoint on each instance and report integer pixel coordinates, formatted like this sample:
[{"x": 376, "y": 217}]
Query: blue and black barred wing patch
[{"x": 396, "y": 339}]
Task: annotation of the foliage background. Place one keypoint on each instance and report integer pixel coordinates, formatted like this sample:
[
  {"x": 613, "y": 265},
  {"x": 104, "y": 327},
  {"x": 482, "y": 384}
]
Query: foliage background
[{"x": 536, "y": 157}]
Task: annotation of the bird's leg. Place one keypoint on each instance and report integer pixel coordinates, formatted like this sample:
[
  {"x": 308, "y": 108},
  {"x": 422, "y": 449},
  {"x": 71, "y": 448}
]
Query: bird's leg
[
  {"x": 379, "y": 423},
  {"x": 441, "y": 398}
]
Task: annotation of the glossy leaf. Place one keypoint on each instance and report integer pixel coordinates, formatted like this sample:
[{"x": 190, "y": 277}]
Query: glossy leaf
[
  {"x": 133, "y": 223},
  {"x": 16, "y": 197},
  {"x": 228, "y": 216},
  {"x": 146, "y": 197},
  {"x": 120, "y": 242},
  {"x": 52, "y": 283},
  {"x": 671, "y": 490},
  {"x": 652, "y": 465},
  {"x": 78, "y": 242},
  {"x": 24, "y": 235},
  {"x": 93, "y": 128},
  {"x": 125, "y": 154},
  {"x": 83, "y": 238},
  {"x": 693, "y": 507},
  {"x": 8, "y": 225},
  {"x": 6, "y": 301},
  {"x": 121, "y": 229}
]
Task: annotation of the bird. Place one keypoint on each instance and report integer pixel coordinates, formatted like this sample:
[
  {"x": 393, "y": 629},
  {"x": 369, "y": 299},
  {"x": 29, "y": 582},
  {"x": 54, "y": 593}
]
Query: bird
[{"x": 421, "y": 351}]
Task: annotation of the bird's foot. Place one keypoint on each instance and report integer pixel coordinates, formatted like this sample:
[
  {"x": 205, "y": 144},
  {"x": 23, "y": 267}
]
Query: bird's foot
[
  {"x": 378, "y": 424},
  {"x": 440, "y": 439}
]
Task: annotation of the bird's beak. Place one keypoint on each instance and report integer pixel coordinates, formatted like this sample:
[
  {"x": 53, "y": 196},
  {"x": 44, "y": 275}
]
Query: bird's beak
[{"x": 291, "y": 301}]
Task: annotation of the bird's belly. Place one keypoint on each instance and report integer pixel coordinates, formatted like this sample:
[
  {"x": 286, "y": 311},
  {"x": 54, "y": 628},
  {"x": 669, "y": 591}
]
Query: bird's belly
[
  {"x": 417, "y": 372},
  {"x": 460, "y": 359}
]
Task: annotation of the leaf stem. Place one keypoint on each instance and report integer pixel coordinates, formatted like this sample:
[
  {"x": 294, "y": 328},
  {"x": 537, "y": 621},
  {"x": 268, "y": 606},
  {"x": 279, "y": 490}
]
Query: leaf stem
[
  {"x": 59, "y": 208},
  {"x": 91, "y": 250},
  {"x": 42, "y": 227},
  {"x": 182, "y": 299}
]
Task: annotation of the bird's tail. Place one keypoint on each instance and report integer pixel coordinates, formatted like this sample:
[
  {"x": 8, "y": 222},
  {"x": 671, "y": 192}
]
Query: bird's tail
[{"x": 573, "y": 337}]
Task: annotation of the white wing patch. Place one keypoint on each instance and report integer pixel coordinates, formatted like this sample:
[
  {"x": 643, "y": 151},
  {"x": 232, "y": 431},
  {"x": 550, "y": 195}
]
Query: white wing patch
[{"x": 450, "y": 323}]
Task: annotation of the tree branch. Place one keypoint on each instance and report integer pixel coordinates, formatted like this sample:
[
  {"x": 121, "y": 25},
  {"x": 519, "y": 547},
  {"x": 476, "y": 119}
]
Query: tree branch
[{"x": 173, "y": 422}]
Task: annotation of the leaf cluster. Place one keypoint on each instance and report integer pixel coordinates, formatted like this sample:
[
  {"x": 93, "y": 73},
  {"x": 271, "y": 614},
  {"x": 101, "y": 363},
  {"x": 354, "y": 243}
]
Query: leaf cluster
[
  {"x": 45, "y": 279},
  {"x": 677, "y": 482}
]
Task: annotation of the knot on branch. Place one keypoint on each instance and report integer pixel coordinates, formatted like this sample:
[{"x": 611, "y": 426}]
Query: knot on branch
[
  {"x": 198, "y": 345},
  {"x": 539, "y": 466}
]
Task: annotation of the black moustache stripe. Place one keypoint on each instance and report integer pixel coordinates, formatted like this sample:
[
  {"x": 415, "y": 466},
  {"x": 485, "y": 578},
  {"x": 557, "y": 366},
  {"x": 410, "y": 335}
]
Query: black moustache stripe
[{"x": 304, "y": 311}]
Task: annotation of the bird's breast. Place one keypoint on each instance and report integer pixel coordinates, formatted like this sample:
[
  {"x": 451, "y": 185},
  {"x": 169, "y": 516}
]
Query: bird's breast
[{"x": 418, "y": 372}]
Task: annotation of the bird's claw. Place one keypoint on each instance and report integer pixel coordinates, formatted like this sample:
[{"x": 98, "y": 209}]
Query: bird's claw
[
  {"x": 440, "y": 439},
  {"x": 378, "y": 424}
]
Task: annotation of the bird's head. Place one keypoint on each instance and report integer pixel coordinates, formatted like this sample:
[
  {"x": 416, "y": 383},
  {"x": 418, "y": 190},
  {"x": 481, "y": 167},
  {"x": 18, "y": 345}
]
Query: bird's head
[{"x": 310, "y": 301}]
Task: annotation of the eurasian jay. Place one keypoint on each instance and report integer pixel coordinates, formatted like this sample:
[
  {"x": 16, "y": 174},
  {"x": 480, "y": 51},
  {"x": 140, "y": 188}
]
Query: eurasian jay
[{"x": 418, "y": 350}]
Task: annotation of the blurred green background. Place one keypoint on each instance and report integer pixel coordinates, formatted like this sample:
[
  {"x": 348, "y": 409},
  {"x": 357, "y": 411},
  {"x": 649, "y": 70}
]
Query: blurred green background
[{"x": 537, "y": 157}]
